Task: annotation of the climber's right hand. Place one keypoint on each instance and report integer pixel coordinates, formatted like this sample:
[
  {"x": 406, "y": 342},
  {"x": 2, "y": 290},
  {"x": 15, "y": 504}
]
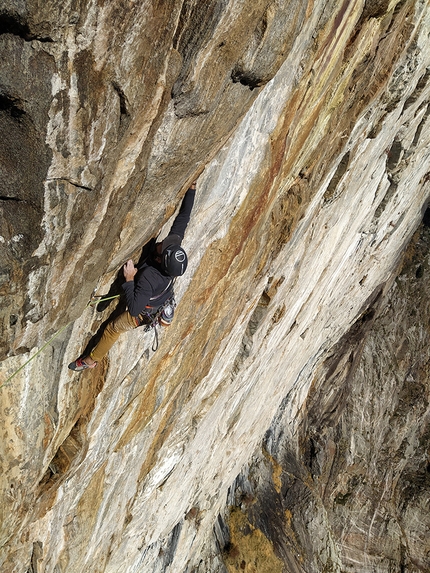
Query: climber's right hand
[{"x": 129, "y": 270}]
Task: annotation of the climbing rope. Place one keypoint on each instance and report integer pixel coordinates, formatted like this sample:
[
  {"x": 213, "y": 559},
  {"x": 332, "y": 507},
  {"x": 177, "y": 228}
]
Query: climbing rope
[{"x": 94, "y": 300}]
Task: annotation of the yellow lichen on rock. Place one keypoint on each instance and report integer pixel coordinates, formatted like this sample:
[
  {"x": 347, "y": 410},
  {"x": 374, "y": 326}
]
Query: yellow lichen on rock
[{"x": 249, "y": 551}]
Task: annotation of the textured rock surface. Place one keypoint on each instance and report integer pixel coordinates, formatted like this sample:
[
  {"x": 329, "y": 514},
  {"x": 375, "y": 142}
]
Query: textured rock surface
[
  {"x": 311, "y": 124},
  {"x": 332, "y": 490}
]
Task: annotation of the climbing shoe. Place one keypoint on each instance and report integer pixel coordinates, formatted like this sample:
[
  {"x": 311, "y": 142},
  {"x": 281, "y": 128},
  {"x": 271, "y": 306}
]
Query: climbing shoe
[
  {"x": 78, "y": 365},
  {"x": 167, "y": 315}
]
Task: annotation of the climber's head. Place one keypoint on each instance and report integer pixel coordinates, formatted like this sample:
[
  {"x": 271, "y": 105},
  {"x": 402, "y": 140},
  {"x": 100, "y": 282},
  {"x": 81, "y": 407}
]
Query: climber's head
[
  {"x": 174, "y": 261},
  {"x": 173, "y": 258}
]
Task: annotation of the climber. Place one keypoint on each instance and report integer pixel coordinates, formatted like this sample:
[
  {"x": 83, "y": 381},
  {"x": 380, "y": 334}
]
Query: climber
[{"x": 149, "y": 288}]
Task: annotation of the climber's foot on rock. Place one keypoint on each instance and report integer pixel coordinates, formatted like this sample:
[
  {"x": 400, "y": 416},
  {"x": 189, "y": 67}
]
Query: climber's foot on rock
[{"x": 82, "y": 364}]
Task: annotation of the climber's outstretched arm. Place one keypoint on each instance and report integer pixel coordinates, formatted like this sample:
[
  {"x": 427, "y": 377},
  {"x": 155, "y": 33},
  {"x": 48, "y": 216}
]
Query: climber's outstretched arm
[{"x": 183, "y": 218}]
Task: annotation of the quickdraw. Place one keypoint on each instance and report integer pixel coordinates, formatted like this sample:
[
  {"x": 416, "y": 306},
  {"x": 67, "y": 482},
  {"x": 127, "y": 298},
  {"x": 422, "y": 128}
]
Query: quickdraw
[{"x": 151, "y": 319}]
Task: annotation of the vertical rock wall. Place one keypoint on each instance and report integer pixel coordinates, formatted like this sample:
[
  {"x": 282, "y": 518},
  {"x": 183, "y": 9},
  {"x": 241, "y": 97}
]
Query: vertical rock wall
[
  {"x": 130, "y": 101},
  {"x": 346, "y": 487},
  {"x": 310, "y": 122}
]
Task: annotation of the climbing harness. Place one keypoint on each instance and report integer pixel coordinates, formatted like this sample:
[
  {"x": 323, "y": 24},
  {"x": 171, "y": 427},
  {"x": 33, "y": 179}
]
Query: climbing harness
[
  {"x": 93, "y": 300},
  {"x": 152, "y": 317}
]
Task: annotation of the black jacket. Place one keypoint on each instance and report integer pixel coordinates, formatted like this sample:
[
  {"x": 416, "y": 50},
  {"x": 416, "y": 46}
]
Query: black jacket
[{"x": 150, "y": 282}]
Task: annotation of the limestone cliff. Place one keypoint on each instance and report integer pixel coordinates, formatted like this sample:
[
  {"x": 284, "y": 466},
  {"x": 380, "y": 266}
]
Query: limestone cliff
[{"x": 282, "y": 425}]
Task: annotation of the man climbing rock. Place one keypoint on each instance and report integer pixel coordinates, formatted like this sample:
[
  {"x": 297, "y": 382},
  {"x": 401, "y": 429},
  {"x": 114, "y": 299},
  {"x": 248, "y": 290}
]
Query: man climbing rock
[{"x": 148, "y": 289}]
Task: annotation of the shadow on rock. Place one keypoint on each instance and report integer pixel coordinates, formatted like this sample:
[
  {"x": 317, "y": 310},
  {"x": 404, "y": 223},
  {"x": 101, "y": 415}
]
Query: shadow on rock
[{"x": 115, "y": 290}]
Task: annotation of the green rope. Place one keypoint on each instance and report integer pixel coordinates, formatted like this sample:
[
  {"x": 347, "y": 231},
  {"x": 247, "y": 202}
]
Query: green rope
[{"x": 91, "y": 303}]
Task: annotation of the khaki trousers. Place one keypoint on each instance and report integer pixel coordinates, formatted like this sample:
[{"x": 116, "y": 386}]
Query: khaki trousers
[{"x": 123, "y": 323}]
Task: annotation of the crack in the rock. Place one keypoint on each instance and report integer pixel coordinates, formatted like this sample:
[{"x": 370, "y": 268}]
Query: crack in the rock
[
  {"x": 11, "y": 105},
  {"x": 10, "y": 24},
  {"x": 123, "y": 103},
  {"x": 74, "y": 183},
  {"x": 247, "y": 79},
  {"x": 125, "y": 116},
  {"x": 5, "y": 198}
]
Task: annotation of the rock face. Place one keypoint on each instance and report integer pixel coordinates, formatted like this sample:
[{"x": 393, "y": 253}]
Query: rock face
[
  {"x": 282, "y": 425},
  {"x": 345, "y": 487}
]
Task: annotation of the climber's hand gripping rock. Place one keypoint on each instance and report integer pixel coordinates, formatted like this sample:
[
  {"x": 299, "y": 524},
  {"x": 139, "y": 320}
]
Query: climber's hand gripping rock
[{"x": 129, "y": 270}]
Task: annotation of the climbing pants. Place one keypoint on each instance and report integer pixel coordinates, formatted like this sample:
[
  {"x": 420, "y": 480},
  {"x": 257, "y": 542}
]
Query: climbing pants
[{"x": 123, "y": 323}]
